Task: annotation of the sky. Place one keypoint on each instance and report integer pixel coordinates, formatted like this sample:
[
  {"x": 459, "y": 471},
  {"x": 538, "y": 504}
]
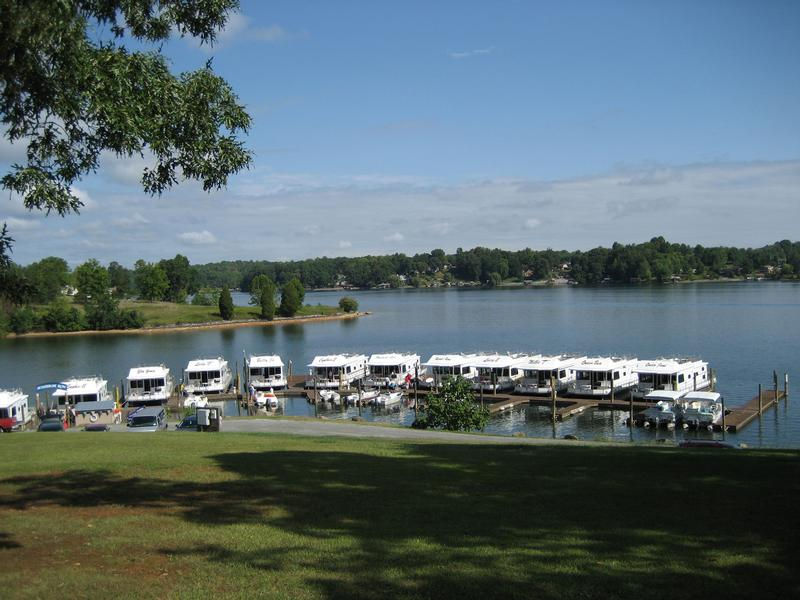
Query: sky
[{"x": 403, "y": 127}]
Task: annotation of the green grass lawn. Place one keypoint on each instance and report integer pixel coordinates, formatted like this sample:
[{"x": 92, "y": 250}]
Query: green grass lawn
[
  {"x": 255, "y": 515},
  {"x": 170, "y": 313}
]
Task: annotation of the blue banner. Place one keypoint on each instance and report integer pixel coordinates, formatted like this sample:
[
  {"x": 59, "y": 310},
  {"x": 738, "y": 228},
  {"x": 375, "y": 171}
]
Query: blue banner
[{"x": 51, "y": 386}]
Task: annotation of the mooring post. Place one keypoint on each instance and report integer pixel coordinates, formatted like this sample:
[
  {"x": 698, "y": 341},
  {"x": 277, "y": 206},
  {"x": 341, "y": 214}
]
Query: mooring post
[
  {"x": 416, "y": 390},
  {"x": 760, "y": 400},
  {"x": 630, "y": 410},
  {"x": 360, "y": 395},
  {"x": 786, "y": 386},
  {"x": 612, "y": 392},
  {"x": 494, "y": 383},
  {"x": 723, "y": 417},
  {"x": 316, "y": 410},
  {"x": 775, "y": 385},
  {"x": 553, "y": 397},
  {"x": 480, "y": 387}
]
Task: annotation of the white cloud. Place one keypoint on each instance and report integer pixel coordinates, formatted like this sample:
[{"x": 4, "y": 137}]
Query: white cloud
[
  {"x": 442, "y": 228},
  {"x": 132, "y": 221},
  {"x": 21, "y": 224},
  {"x": 197, "y": 238},
  {"x": 84, "y": 197},
  {"x": 345, "y": 244},
  {"x": 471, "y": 53},
  {"x": 240, "y": 27},
  {"x": 312, "y": 229},
  {"x": 395, "y": 237},
  {"x": 532, "y": 223}
]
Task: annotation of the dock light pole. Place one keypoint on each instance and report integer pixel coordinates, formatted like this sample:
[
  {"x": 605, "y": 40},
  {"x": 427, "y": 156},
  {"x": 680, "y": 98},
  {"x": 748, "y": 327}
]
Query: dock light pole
[
  {"x": 416, "y": 388},
  {"x": 316, "y": 410}
]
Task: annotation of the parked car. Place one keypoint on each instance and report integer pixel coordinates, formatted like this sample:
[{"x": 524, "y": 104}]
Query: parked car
[
  {"x": 97, "y": 427},
  {"x": 51, "y": 424},
  {"x": 189, "y": 423},
  {"x": 149, "y": 418}
]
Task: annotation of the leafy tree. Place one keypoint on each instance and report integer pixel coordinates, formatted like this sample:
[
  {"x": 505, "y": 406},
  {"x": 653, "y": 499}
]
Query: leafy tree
[
  {"x": 268, "y": 302},
  {"x": 292, "y": 298},
  {"x": 15, "y": 289},
  {"x": 226, "y": 304},
  {"x": 48, "y": 277},
  {"x": 151, "y": 281},
  {"x": 120, "y": 279},
  {"x": 71, "y": 95},
  {"x": 348, "y": 304},
  {"x": 91, "y": 279},
  {"x": 257, "y": 284},
  {"x": 181, "y": 278},
  {"x": 206, "y": 297},
  {"x": 102, "y": 312},
  {"x": 454, "y": 408}
]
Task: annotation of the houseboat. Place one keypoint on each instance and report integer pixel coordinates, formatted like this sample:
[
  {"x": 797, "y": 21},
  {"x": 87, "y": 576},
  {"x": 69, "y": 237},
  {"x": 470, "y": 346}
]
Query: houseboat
[
  {"x": 673, "y": 374},
  {"x": 702, "y": 409},
  {"x": 86, "y": 389},
  {"x": 148, "y": 386},
  {"x": 14, "y": 411},
  {"x": 595, "y": 377},
  {"x": 207, "y": 376},
  {"x": 497, "y": 372},
  {"x": 391, "y": 370},
  {"x": 266, "y": 371},
  {"x": 441, "y": 366},
  {"x": 538, "y": 371},
  {"x": 665, "y": 412},
  {"x": 336, "y": 370}
]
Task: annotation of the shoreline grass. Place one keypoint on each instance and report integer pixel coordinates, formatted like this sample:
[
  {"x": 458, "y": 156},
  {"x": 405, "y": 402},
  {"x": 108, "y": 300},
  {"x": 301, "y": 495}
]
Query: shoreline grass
[{"x": 243, "y": 515}]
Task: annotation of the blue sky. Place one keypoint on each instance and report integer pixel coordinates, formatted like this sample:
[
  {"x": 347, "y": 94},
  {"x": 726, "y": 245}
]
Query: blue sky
[{"x": 382, "y": 127}]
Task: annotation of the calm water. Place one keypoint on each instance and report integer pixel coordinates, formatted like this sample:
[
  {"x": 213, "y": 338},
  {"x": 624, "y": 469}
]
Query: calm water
[{"x": 744, "y": 330}]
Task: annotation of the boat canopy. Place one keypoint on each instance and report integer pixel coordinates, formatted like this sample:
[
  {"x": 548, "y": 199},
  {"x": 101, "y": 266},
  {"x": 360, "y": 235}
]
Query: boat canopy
[
  {"x": 392, "y": 359},
  {"x": 449, "y": 360},
  {"x": 82, "y": 387},
  {"x": 659, "y": 395},
  {"x": 271, "y": 360},
  {"x": 709, "y": 396},
  {"x": 207, "y": 364},
  {"x": 497, "y": 361},
  {"x": 336, "y": 360},
  {"x": 153, "y": 372},
  {"x": 550, "y": 363},
  {"x": 669, "y": 366}
]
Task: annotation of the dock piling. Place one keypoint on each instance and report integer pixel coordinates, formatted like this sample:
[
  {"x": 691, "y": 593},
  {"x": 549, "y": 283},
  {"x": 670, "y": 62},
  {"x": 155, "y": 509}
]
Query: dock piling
[
  {"x": 775, "y": 384},
  {"x": 723, "y": 417},
  {"x": 416, "y": 391},
  {"x": 760, "y": 400},
  {"x": 553, "y": 397},
  {"x": 316, "y": 410},
  {"x": 786, "y": 386}
]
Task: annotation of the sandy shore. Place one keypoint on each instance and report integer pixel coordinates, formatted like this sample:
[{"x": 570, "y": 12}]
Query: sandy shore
[{"x": 208, "y": 325}]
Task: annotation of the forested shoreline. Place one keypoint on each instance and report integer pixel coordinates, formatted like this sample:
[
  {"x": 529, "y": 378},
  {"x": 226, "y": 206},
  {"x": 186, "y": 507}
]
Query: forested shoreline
[{"x": 49, "y": 296}]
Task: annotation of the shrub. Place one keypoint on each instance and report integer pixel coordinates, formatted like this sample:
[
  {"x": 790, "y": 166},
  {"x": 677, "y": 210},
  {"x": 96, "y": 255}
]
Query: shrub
[
  {"x": 226, "y": 304},
  {"x": 292, "y": 298},
  {"x": 61, "y": 316},
  {"x": 453, "y": 408},
  {"x": 23, "y": 320},
  {"x": 348, "y": 304},
  {"x": 206, "y": 297}
]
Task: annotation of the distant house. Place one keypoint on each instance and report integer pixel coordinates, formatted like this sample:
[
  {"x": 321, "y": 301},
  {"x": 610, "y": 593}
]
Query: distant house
[{"x": 68, "y": 290}]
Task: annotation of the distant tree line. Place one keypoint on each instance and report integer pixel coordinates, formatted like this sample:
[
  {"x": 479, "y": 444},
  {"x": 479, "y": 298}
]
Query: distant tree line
[
  {"x": 653, "y": 261},
  {"x": 35, "y": 296}
]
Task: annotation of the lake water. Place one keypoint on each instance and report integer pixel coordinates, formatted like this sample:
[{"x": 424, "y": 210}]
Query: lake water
[{"x": 744, "y": 330}]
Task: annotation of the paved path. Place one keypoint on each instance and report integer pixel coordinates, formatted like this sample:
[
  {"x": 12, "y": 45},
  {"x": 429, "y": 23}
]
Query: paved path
[{"x": 364, "y": 430}]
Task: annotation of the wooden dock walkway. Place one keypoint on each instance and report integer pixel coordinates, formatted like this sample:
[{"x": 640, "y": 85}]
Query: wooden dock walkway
[{"x": 741, "y": 416}]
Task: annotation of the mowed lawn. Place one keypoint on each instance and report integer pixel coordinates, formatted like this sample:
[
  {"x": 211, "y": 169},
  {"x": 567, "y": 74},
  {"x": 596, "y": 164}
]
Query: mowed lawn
[
  {"x": 170, "y": 313},
  {"x": 255, "y": 515}
]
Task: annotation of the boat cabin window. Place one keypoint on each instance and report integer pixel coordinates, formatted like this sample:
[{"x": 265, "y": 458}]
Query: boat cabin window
[
  {"x": 146, "y": 384},
  {"x": 3, "y": 413},
  {"x": 562, "y": 373},
  {"x": 680, "y": 378},
  {"x": 616, "y": 374}
]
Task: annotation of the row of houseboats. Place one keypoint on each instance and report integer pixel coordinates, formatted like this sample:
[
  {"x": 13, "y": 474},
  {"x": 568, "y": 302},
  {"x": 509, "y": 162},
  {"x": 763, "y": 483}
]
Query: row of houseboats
[{"x": 535, "y": 374}]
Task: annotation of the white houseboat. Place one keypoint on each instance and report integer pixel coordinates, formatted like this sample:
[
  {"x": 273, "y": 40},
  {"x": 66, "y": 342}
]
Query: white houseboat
[
  {"x": 672, "y": 374},
  {"x": 701, "y": 409},
  {"x": 207, "y": 376},
  {"x": 441, "y": 366},
  {"x": 538, "y": 371},
  {"x": 85, "y": 389},
  {"x": 148, "y": 386},
  {"x": 265, "y": 372},
  {"x": 335, "y": 370},
  {"x": 595, "y": 377},
  {"x": 14, "y": 411},
  {"x": 390, "y": 370},
  {"x": 497, "y": 372}
]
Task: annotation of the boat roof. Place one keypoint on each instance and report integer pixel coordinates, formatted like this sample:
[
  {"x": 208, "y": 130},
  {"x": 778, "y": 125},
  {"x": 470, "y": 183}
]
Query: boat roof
[
  {"x": 392, "y": 358},
  {"x": 206, "y": 364},
  {"x": 703, "y": 396},
  {"x": 493, "y": 361},
  {"x": 664, "y": 395},
  {"x": 448, "y": 360},
  {"x": 551, "y": 362},
  {"x": 336, "y": 360},
  {"x": 265, "y": 360},
  {"x": 82, "y": 407},
  {"x": 602, "y": 363},
  {"x": 149, "y": 411},
  {"x": 84, "y": 385},
  {"x": 668, "y": 365},
  {"x": 148, "y": 372},
  {"x": 11, "y": 397}
]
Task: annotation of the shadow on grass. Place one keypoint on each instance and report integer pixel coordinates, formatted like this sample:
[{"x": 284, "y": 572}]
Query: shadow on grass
[
  {"x": 470, "y": 521},
  {"x": 6, "y": 542}
]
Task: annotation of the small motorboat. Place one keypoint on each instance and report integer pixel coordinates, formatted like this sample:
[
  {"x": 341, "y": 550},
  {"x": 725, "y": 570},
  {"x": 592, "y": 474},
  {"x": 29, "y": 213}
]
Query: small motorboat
[
  {"x": 389, "y": 398},
  {"x": 195, "y": 402},
  {"x": 266, "y": 399},
  {"x": 328, "y": 396},
  {"x": 702, "y": 409},
  {"x": 660, "y": 415}
]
